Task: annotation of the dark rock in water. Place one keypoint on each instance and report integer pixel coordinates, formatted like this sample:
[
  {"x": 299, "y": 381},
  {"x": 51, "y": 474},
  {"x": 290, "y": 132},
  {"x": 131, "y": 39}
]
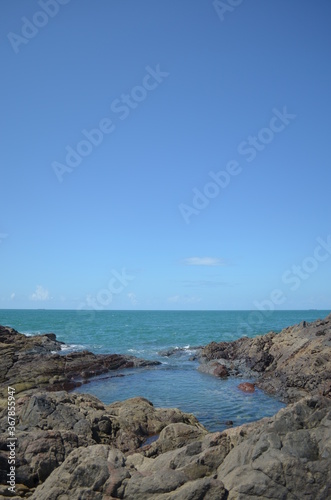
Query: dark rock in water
[
  {"x": 177, "y": 351},
  {"x": 214, "y": 368},
  {"x": 220, "y": 370},
  {"x": 52, "y": 336},
  {"x": 223, "y": 368},
  {"x": 247, "y": 387},
  {"x": 169, "y": 352}
]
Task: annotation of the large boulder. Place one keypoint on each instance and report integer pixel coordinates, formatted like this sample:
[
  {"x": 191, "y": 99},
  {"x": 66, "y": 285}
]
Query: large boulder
[
  {"x": 138, "y": 419},
  {"x": 95, "y": 473},
  {"x": 286, "y": 456}
]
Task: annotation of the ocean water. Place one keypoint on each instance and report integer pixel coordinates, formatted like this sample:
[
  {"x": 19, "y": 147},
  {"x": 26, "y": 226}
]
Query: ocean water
[{"x": 147, "y": 334}]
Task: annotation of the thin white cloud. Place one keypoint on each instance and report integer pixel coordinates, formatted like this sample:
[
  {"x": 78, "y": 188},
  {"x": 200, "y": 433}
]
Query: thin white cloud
[
  {"x": 183, "y": 299},
  {"x": 203, "y": 261},
  {"x": 132, "y": 296},
  {"x": 174, "y": 298},
  {"x": 40, "y": 293},
  {"x": 12, "y": 296},
  {"x": 204, "y": 283}
]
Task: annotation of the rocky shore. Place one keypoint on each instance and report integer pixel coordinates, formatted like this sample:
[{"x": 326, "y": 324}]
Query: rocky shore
[
  {"x": 71, "y": 445},
  {"x": 291, "y": 364},
  {"x": 31, "y": 363}
]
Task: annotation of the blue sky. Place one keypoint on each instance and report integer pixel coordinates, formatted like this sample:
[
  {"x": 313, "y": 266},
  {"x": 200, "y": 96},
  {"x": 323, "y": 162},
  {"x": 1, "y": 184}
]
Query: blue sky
[{"x": 165, "y": 155}]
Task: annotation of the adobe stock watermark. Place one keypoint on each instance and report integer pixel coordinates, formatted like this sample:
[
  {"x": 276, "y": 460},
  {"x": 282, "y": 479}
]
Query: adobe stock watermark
[
  {"x": 121, "y": 108},
  {"x": 118, "y": 282},
  {"x": 292, "y": 278},
  {"x": 11, "y": 440},
  {"x": 222, "y": 7},
  {"x": 249, "y": 149},
  {"x": 31, "y": 27}
]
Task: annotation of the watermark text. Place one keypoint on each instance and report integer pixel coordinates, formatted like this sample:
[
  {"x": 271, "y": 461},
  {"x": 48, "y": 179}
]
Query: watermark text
[
  {"x": 31, "y": 27},
  {"x": 11, "y": 440},
  {"x": 223, "y": 7},
  {"x": 292, "y": 278},
  {"x": 121, "y": 107},
  {"x": 249, "y": 149}
]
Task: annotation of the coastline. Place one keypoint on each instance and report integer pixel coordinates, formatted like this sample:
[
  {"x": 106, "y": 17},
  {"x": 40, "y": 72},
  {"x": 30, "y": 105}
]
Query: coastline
[{"x": 294, "y": 364}]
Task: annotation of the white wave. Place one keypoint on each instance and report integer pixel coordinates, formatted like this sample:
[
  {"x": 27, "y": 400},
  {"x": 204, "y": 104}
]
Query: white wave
[{"x": 73, "y": 347}]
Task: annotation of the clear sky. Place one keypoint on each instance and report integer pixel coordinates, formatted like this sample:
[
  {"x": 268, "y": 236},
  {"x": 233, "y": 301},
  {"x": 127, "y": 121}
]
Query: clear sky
[{"x": 165, "y": 154}]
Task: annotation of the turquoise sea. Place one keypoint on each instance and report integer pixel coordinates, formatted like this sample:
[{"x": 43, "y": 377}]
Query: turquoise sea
[{"x": 176, "y": 382}]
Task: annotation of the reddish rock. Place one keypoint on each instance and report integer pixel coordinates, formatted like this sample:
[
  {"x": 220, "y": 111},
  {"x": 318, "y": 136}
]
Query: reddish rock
[
  {"x": 246, "y": 387},
  {"x": 220, "y": 370}
]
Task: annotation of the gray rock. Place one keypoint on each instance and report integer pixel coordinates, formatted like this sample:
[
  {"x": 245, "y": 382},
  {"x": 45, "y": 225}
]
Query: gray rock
[
  {"x": 175, "y": 436},
  {"x": 94, "y": 472},
  {"x": 276, "y": 458},
  {"x": 282, "y": 456},
  {"x": 51, "y": 425}
]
